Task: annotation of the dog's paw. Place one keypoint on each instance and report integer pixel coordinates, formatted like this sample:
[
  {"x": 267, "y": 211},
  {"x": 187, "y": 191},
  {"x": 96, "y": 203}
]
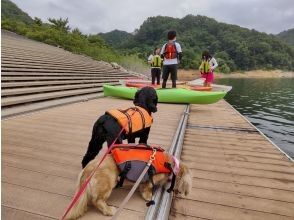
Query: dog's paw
[
  {"x": 112, "y": 210},
  {"x": 147, "y": 195}
]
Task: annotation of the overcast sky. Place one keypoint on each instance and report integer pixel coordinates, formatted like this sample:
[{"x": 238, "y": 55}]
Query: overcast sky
[{"x": 94, "y": 16}]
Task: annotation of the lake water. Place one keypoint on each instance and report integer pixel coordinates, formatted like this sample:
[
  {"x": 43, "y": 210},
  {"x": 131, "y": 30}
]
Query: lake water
[{"x": 268, "y": 104}]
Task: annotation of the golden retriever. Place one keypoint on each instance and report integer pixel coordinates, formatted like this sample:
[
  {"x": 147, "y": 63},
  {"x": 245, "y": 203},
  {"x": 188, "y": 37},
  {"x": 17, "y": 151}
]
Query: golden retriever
[{"x": 105, "y": 179}]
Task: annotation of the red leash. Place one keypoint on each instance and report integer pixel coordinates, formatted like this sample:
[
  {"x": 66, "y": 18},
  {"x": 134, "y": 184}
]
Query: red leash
[{"x": 84, "y": 185}]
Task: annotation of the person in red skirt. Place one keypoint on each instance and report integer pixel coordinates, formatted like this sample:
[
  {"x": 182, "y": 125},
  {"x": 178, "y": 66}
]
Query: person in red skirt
[{"x": 207, "y": 67}]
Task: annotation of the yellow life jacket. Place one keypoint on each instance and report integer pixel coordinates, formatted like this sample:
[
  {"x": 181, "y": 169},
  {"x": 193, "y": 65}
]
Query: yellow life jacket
[
  {"x": 205, "y": 66},
  {"x": 132, "y": 119},
  {"x": 156, "y": 61}
]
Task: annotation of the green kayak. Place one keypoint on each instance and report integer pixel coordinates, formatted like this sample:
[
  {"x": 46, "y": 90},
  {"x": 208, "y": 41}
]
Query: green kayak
[{"x": 178, "y": 95}]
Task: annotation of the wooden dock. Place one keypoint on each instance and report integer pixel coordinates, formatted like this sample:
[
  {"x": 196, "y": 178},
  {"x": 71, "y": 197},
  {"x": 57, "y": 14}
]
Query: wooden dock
[
  {"x": 237, "y": 172},
  {"x": 42, "y": 152}
]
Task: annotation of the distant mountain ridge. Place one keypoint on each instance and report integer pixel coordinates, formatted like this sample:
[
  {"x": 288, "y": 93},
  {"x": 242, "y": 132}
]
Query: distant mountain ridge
[
  {"x": 116, "y": 38},
  {"x": 236, "y": 48},
  {"x": 287, "y": 36},
  {"x": 9, "y": 10}
]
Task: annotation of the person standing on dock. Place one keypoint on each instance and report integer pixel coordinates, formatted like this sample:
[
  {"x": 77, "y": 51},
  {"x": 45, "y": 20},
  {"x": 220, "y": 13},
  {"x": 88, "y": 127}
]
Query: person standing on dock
[
  {"x": 171, "y": 52},
  {"x": 156, "y": 64},
  {"x": 207, "y": 67}
]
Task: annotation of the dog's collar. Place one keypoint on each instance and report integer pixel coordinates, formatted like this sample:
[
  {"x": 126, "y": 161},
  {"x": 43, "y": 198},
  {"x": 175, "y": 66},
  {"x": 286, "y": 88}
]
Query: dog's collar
[{"x": 176, "y": 167}]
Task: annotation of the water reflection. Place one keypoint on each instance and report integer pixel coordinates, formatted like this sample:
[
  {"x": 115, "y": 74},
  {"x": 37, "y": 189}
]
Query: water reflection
[{"x": 268, "y": 104}]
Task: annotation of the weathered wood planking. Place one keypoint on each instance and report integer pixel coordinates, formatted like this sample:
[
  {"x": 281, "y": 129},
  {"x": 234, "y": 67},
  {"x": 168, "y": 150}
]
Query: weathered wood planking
[
  {"x": 42, "y": 152},
  {"x": 237, "y": 173}
]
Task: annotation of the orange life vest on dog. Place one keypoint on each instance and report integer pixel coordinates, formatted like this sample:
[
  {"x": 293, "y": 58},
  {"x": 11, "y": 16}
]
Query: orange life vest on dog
[
  {"x": 132, "y": 119},
  {"x": 136, "y": 157}
]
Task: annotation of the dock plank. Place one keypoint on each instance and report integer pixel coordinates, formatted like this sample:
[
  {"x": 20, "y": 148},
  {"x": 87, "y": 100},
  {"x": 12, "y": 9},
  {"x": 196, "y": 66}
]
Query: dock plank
[
  {"x": 200, "y": 209},
  {"x": 13, "y": 213},
  {"x": 237, "y": 173},
  {"x": 42, "y": 152},
  {"x": 245, "y": 190},
  {"x": 242, "y": 201}
]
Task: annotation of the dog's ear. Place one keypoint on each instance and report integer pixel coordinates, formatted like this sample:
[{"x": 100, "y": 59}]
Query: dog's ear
[
  {"x": 136, "y": 99},
  {"x": 151, "y": 99},
  {"x": 184, "y": 183},
  {"x": 139, "y": 99},
  {"x": 146, "y": 98}
]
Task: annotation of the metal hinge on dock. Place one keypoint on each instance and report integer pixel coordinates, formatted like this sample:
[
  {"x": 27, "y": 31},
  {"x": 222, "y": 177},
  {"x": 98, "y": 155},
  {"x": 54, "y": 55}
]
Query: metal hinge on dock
[{"x": 163, "y": 199}]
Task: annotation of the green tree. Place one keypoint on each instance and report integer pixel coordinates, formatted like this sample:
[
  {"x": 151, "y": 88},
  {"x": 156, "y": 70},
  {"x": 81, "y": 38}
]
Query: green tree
[
  {"x": 60, "y": 24},
  {"x": 38, "y": 21},
  {"x": 236, "y": 48}
]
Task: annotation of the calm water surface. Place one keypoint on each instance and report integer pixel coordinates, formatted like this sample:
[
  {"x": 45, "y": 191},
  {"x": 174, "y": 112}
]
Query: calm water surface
[{"x": 268, "y": 104}]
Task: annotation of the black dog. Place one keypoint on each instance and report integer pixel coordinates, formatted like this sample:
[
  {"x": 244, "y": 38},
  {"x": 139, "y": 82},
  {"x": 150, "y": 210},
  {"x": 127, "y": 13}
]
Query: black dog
[{"x": 107, "y": 127}]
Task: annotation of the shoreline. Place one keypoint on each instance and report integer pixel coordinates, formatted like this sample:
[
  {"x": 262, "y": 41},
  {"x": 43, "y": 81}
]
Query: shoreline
[
  {"x": 194, "y": 74},
  {"x": 257, "y": 74}
]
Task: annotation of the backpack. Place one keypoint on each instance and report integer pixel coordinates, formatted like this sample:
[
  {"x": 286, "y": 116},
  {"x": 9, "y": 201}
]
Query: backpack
[
  {"x": 170, "y": 51},
  {"x": 156, "y": 61}
]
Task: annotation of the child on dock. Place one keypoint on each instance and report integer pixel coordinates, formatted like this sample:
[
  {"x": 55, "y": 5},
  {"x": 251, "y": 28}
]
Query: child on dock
[
  {"x": 207, "y": 67},
  {"x": 156, "y": 63}
]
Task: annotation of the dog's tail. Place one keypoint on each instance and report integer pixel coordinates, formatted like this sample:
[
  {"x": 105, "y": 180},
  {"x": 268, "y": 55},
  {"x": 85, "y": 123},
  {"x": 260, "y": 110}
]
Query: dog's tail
[{"x": 80, "y": 207}]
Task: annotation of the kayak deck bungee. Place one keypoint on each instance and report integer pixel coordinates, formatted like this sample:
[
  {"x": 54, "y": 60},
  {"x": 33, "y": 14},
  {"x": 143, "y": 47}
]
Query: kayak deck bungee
[
  {"x": 172, "y": 95},
  {"x": 145, "y": 82},
  {"x": 201, "y": 88},
  {"x": 192, "y": 85},
  {"x": 141, "y": 85}
]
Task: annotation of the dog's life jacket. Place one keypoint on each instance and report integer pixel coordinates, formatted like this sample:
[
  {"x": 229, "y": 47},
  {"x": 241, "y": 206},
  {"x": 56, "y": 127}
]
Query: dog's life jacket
[
  {"x": 132, "y": 159},
  {"x": 132, "y": 119}
]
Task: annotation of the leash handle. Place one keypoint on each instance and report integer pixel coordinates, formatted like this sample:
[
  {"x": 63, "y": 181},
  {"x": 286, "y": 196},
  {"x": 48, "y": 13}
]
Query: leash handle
[{"x": 124, "y": 202}]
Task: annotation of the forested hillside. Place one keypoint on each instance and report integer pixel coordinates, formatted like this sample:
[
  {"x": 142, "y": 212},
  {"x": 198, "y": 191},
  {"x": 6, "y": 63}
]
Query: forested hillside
[
  {"x": 10, "y": 11},
  {"x": 236, "y": 48},
  {"x": 116, "y": 38},
  {"x": 287, "y": 36},
  {"x": 57, "y": 32}
]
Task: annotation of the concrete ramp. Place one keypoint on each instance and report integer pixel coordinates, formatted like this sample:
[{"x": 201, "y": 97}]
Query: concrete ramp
[{"x": 35, "y": 75}]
